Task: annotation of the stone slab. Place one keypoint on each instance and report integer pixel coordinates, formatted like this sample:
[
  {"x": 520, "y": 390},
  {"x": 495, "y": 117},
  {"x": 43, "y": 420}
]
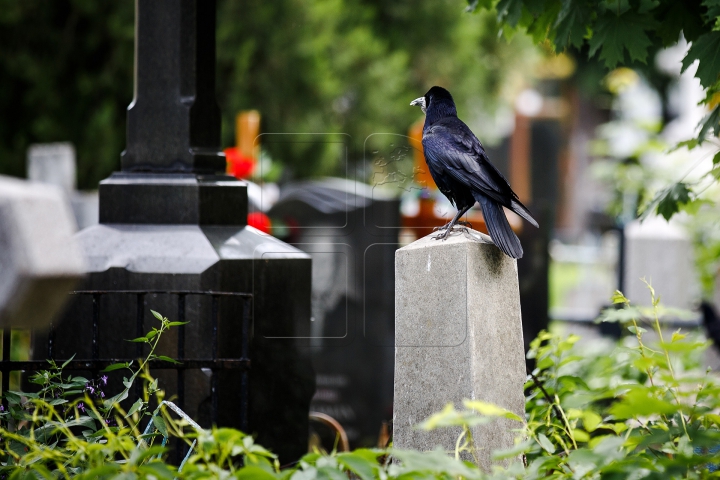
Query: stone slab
[
  {"x": 458, "y": 336},
  {"x": 662, "y": 253},
  {"x": 52, "y": 163},
  {"x": 40, "y": 262},
  {"x": 172, "y": 199}
]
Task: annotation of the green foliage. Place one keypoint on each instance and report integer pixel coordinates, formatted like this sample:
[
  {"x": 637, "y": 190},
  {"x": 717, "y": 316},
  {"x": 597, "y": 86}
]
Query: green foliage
[
  {"x": 641, "y": 409},
  {"x": 65, "y": 75},
  {"x": 351, "y": 67},
  {"x": 339, "y": 66},
  {"x": 626, "y": 32},
  {"x": 637, "y": 410},
  {"x": 70, "y": 428}
]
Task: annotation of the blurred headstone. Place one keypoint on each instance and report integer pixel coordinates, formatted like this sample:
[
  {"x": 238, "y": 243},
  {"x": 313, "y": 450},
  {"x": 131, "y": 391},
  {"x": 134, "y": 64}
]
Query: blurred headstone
[
  {"x": 52, "y": 163},
  {"x": 55, "y": 164},
  {"x": 347, "y": 228},
  {"x": 660, "y": 252},
  {"x": 40, "y": 261}
]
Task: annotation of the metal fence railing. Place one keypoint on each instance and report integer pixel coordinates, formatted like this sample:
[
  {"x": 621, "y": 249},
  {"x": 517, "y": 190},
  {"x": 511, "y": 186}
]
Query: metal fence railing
[{"x": 96, "y": 363}]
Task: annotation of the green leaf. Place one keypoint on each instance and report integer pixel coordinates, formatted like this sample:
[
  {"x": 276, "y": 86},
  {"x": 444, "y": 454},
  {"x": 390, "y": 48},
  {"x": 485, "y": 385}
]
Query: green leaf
[
  {"x": 640, "y": 402},
  {"x": 571, "y": 24},
  {"x": 713, "y": 7},
  {"x": 177, "y": 324},
  {"x": 361, "y": 462},
  {"x": 135, "y": 407},
  {"x": 449, "y": 417},
  {"x": 514, "y": 452},
  {"x": 669, "y": 201},
  {"x": 706, "y": 49},
  {"x": 545, "y": 443},
  {"x": 509, "y": 11},
  {"x": 160, "y": 425},
  {"x": 614, "y": 34},
  {"x": 116, "y": 366},
  {"x": 159, "y": 470},
  {"x": 618, "y": 7},
  {"x": 710, "y": 122},
  {"x": 157, "y": 315},
  {"x": 66, "y": 362},
  {"x": 591, "y": 420},
  {"x": 139, "y": 340},
  {"x": 635, "y": 330},
  {"x": 618, "y": 297},
  {"x": 690, "y": 144},
  {"x": 490, "y": 410},
  {"x": 167, "y": 359},
  {"x": 253, "y": 472}
]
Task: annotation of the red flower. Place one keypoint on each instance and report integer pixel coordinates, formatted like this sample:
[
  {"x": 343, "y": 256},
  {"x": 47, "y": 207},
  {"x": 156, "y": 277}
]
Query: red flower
[
  {"x": 240, "y": 165},
  {"x": 260, "y": 221}
]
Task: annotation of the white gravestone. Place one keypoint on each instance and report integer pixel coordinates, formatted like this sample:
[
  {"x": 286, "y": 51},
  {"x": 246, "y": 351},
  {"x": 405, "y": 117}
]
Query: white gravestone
[
  {"x": 40, "y": 261},
  {"x": 660, "y": 252},
  {"x": 458, "y": 335},
  {"x": 52, "y": 163}
]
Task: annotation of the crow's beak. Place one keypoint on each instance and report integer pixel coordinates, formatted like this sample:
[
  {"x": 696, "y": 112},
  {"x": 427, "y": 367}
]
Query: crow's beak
[{"x": 419, "y": 101}]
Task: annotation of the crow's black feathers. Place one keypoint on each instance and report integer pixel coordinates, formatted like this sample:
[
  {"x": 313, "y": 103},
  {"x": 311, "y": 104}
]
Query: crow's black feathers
[{"x": 462, "y": 171}]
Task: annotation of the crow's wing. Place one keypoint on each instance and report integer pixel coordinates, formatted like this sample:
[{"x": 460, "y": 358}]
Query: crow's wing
[{"x": 450, "y": 145}]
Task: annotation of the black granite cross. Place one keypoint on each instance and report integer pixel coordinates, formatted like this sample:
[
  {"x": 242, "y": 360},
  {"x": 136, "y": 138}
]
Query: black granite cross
[{"x": 173, "y": 122}]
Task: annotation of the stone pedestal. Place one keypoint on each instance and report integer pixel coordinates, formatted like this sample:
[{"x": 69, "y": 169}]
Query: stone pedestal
[
  {"x": 458, "y": 335},
  {"x": 171, "y": 221}
]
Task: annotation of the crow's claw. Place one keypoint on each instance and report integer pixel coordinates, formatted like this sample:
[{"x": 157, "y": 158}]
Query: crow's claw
[{"x": 447, "y": 231}]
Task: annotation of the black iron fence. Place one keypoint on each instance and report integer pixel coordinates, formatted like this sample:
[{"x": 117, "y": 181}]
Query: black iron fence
[{"x": 97, "y": 363}]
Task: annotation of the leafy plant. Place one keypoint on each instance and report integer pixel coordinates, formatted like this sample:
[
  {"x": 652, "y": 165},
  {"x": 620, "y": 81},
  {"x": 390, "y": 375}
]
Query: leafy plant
[
  {"x": 70, "y": 427},
  {"x": 626, "y": 32},
  {"x": 641, "y": 409}
]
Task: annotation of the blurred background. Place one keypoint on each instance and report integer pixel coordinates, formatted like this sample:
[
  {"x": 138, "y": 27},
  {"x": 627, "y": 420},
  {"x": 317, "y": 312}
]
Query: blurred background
[{"x": 315, "y": 102}]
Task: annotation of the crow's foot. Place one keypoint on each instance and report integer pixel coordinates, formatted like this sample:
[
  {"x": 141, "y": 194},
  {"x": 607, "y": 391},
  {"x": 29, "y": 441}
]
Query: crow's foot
[
  {"x": 446, "y": 231},
  {"x": 444, "y": 227}
]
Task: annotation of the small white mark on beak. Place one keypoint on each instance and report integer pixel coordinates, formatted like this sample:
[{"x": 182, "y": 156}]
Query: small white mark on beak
[{"x": 421, "y": 102}]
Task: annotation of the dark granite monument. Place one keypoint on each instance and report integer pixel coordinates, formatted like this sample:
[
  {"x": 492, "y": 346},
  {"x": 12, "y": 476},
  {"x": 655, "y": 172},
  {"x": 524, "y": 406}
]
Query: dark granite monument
[
  {"x": 351, "y": 232},
  {"x": 171, "y": 220}
]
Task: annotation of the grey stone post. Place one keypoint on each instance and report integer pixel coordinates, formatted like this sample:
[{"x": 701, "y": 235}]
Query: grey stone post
[{"x": 458, "y": 335}]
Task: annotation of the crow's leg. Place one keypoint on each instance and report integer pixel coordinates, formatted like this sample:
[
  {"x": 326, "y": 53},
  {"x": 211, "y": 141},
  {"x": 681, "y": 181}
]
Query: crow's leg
[{"x": 448, "y": 228}]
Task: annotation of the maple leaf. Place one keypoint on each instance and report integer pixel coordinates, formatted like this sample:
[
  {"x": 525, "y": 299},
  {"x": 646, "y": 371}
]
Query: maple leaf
[
  {"x": 706, "y": 49},
  {"x": 672, "y": 199},
  {"x": 617, "y": 33},
  {"x": 713, "y": 8},
  {"x": 509, "y": 11},
  {"x": 571, "y": 25}
]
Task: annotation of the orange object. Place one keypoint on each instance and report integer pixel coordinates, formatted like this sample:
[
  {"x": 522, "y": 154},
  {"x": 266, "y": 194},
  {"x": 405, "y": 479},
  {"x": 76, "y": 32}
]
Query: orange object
[
  {"x": 420, "y": 171},
  {"x": 243, "y": 157}
]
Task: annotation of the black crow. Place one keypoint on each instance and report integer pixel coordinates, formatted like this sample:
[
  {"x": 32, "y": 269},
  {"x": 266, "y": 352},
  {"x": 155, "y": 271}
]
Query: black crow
[{"x": 463, "y": 173}]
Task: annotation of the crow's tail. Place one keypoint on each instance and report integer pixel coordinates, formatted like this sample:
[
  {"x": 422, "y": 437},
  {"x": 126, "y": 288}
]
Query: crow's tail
[
  {"x": 498, "y": 227},
  {"x": 522, "y": 210}
]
